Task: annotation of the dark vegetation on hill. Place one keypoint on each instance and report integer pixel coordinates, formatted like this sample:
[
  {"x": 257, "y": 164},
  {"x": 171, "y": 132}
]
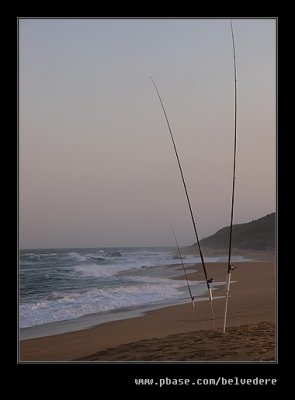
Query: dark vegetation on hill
[{"x": 258, "y": 234}]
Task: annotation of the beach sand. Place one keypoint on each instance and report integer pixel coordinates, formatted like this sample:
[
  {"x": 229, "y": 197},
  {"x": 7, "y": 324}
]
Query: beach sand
[{"x": 176, "y": 333}]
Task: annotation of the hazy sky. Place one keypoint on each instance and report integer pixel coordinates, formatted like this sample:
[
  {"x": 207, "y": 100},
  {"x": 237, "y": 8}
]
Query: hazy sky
[{"x": 97, "y": 166}]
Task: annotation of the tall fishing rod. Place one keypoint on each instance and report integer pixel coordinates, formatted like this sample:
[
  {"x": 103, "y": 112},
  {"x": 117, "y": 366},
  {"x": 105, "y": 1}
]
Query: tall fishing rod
[
  {"x": 230, "y": 267},
  {"x": 184, "y": 270},
  {"x": 208, "y": 281}
]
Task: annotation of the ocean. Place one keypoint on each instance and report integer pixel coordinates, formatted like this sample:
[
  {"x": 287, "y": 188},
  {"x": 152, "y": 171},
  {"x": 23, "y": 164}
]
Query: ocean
[{"x": 70, "y": 289}]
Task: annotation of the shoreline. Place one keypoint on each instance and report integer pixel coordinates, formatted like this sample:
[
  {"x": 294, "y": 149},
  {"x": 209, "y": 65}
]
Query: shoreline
[
  {"x": 88, "y": 321},
  {"x": 252, "y": 301},
  {"x": 173, "y": 271}
]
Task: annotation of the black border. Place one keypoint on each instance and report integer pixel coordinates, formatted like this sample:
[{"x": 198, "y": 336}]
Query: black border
[{"x": 115, "y": 378}]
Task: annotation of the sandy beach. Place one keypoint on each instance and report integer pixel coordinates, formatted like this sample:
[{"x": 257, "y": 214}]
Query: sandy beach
[{"x": 177, "y": 333}]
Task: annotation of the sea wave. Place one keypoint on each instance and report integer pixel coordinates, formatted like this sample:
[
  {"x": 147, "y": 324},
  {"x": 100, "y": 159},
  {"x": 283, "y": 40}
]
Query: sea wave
[
  {"x": 98, "y": 271},
  {"x": 64, "y": 306}
]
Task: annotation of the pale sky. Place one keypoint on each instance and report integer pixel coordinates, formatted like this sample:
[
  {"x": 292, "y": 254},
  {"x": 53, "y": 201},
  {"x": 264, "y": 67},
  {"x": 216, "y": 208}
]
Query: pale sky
[{"x": 97, "y": 166}]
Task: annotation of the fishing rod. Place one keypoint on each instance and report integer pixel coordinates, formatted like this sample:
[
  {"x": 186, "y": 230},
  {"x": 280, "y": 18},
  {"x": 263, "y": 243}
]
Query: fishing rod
[
  {"x": 230, "y": 267},
  {"x": 208, "y": 280},
  {"x": 185, "y": 274}
]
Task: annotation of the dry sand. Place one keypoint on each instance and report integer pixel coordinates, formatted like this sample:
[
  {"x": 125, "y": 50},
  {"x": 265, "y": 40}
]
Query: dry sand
[
  {"x": 258, "y": 343},
  {"x": 176, "y": 333}
]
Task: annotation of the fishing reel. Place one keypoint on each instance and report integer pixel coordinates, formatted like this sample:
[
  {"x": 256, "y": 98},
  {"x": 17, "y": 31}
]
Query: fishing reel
[
  {"x": 230, "y": 268},
  {"x": 210, "y": 280},
  {"x": 193, "y": 302}
]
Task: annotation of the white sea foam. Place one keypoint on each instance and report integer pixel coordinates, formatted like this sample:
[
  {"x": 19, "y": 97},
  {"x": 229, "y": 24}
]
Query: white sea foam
[
  {"x": 70, "y": 284},
  {"x": 64, "y": 306},
  {"x": 75, "y": 256},
  {"x": 98, "y": 271},
  {"x": 48, "y": 254}
]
